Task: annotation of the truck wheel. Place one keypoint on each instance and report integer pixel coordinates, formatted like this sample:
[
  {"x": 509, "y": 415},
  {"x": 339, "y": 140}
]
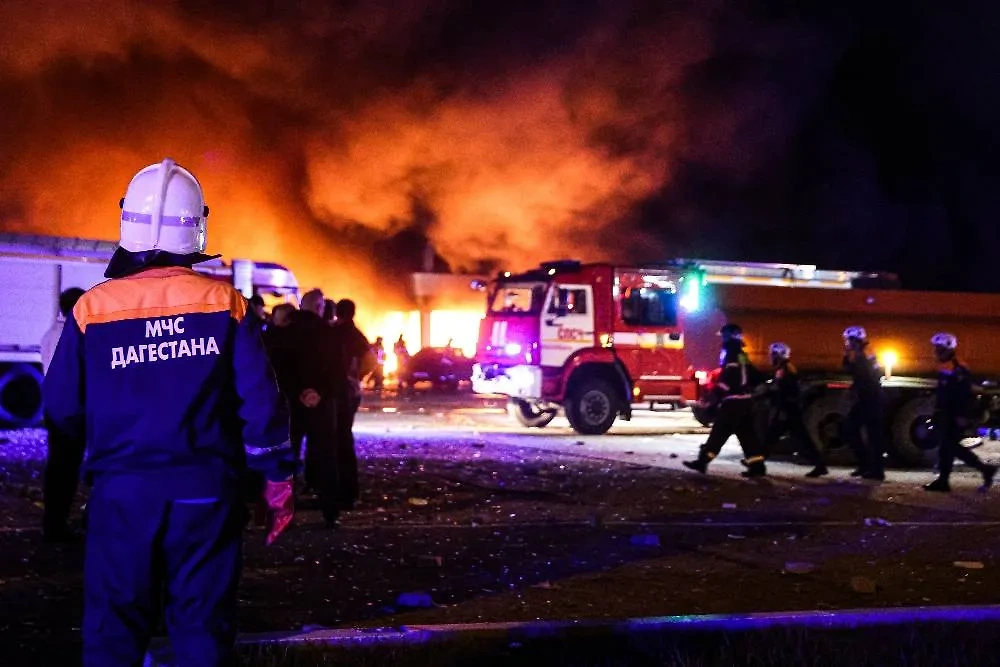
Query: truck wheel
[
  {"x": 592, "y": 407},
  {"x": 21, "y": 396},
  {"x": 528, "y": 413},
  {"x": 914, "y": 442},
  {"x": 824, "y": 420}
]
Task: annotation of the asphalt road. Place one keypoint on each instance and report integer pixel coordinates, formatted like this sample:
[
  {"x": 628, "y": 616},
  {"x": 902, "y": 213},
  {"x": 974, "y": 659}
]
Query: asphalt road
[
  {"x": 661, "y": 438},
  {"x": 496, "y": 522}
]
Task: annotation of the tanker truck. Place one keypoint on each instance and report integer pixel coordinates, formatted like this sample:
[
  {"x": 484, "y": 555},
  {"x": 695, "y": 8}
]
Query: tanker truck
[
  {"x": 35, "y": 269},
  {"x": 598, "y": 340}
]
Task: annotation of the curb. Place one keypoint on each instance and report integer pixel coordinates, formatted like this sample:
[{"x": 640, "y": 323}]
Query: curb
[{"x": 159, "y": 654}]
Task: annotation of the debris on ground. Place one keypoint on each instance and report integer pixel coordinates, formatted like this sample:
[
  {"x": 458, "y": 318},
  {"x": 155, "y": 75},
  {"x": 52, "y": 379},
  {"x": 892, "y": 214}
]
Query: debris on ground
[
  {"x": 645, "y": 540},
  {"x": 799, "y": 567},
  {"x": 863, "y": 585},
  {"x": 969, "y": 564},
  {"x": 876, "y": 521},
  {"x": 426, "y": 561},
  {"x": 417, "y": 599}
]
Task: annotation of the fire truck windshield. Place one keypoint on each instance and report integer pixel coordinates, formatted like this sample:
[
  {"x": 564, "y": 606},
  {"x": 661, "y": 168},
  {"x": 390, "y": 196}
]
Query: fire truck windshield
[{"x": 517, "y": 298}]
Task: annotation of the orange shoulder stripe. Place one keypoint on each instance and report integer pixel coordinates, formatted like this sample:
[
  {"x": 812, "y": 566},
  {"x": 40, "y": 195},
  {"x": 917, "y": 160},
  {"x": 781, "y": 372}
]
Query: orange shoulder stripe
[{"x": 159, "y": 292}]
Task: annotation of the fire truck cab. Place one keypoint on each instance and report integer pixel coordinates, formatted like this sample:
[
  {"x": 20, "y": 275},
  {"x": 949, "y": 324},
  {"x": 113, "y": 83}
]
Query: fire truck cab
[
  {"x": 591, "y": 338},
  {"x": 595, "y": 339}
]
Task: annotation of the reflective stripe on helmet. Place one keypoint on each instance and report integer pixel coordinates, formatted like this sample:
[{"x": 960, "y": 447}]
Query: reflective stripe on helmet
[
  {"x": 164, "y": 209},
  {"x": 165, "y": 220}
]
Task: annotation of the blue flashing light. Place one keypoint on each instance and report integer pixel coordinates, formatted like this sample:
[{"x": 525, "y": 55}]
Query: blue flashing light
[{"x": 691, "y": 296}]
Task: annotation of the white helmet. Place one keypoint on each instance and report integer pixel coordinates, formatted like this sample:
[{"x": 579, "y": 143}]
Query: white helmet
[
  {"x": 945, "y": 340},
  {"x": 855, "y": 332},
  {"x": 164, "y": 209},
  {"x": 780, "y": 350}
]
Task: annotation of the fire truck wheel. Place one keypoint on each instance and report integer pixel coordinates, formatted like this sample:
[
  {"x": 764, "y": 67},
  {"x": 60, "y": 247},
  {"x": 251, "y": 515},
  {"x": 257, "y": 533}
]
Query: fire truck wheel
[
  {"x": 528, "y": 413},
  {"x": 592, "y": 407},
  {"x": 824, "y": 419},
  {"x": 913, "y": 441},
  {"x": 21, "y": 396}
]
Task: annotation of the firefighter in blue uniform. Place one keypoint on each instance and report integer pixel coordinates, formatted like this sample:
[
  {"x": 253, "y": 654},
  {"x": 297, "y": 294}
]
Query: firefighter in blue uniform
[
  {"x": 785, "y": 395},
  {"x": 163, "y": 372},
  {"x": 953, "y": 406},
  {"x": 734, "y": 394},
  {"x": 864, "y": 423}
]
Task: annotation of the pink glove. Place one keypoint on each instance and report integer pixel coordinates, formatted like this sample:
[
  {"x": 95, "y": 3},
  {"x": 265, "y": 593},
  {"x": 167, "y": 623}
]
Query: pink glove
[{"x": 280, "y": 501}]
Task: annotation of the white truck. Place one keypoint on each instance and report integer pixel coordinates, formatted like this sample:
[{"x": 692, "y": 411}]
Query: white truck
[{"x": 34, "y": 270}]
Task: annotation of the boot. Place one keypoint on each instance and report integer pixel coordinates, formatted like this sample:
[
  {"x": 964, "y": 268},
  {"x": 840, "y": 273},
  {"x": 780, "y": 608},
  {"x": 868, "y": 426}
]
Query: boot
[
  {"x": 875, "y": 475},
  {"x": 989, "y": 472},
  {"x": 698, "y": 465},
  {"x": 940, "y": 484},
  {"x": 755, "y": 469},
  {"x": 818, "y": 471},
  {"x": 859, "y": 471}
]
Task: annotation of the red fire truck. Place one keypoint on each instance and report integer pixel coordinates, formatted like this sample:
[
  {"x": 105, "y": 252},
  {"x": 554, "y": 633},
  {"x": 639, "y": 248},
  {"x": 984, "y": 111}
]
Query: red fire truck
[{"x": 597, "y": 339}]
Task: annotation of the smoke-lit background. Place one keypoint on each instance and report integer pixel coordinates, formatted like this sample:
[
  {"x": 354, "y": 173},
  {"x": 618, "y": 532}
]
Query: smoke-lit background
[{"x": 335, "y": 136}]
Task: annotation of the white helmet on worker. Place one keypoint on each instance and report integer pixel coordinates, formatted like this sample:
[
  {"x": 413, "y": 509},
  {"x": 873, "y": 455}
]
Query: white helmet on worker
[
  {"x": 164, "y": 209},
  {"x": 780, "y": 350},
  {"x": 858, "y": 333},
  {"x": 944, "y": 340}
]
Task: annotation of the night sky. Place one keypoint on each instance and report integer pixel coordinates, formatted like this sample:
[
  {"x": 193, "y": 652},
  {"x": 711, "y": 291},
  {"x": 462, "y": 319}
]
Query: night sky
[{"x": 336, "y": 136}]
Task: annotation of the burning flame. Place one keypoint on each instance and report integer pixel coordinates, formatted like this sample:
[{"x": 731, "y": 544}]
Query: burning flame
[
  {"x": 317, "y": 129},
  {"x": 303, "y": 165},
  {"x": 459, "y": 328}
]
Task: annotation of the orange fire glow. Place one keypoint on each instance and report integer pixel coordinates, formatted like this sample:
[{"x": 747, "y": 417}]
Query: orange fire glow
[
  {"x": 460, "y": 328},
  {"x": 302, "y": 169}
]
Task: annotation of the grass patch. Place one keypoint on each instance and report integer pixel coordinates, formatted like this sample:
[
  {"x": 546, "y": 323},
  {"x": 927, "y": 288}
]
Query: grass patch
[{"x": 938, "y": 644}]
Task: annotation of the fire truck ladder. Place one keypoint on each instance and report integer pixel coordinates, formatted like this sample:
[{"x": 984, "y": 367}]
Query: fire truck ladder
[{"x": 788, "y": 275}]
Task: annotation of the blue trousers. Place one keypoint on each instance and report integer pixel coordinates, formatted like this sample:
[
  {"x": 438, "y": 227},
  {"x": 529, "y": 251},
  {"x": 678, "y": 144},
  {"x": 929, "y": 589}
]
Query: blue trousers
[{"x": 144, "y": 556}]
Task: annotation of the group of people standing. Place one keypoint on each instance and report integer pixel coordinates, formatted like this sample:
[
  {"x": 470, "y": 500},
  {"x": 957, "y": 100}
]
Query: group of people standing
[
  {"x": 320, "y": 358},
  {"x": 738, "y": 383}
]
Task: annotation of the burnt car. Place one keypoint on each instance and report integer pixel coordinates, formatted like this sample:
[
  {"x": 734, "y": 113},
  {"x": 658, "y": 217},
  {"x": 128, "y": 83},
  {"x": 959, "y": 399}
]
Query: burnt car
[{"x": 443, "y": 367}]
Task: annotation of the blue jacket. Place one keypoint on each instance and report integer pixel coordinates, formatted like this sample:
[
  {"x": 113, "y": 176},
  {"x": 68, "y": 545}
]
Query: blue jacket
[
  {"x": 955, "y": 398},
  {"x": 166, "y": 377}
]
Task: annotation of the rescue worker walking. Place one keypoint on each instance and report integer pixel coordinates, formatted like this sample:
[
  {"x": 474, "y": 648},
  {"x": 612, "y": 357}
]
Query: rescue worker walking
[
  {"x": 953, "y": 405},
  {"x": 784, "y": 395},
  {"x": 734, "y": 393},
  {"x": 163, "y": 370},
  {"x": 65, "y": 453},
  {"x": 864, "y": 421}
]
